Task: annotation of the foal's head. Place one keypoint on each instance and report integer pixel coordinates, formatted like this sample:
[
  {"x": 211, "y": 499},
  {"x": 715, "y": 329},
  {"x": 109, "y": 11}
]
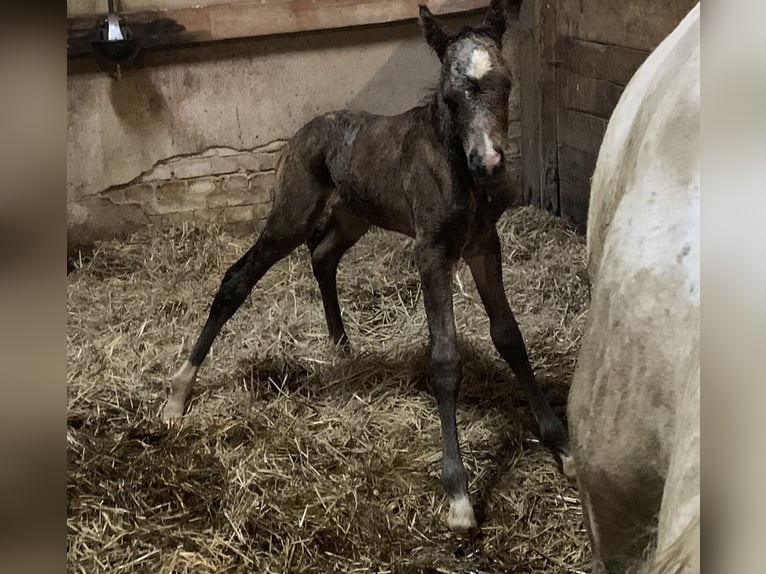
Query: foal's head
[{"x": 475, "y": 84}]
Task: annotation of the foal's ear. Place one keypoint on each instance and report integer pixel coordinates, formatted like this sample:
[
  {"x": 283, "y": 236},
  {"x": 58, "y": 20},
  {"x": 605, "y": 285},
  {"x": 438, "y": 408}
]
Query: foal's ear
[
  {"x": 494, "y": 19},
  {"x": 435, "y": 35}
]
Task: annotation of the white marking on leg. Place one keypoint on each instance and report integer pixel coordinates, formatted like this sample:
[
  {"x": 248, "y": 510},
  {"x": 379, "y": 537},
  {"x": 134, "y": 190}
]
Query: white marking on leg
[
  {"x": 460, "y": 518},
  {"x": 480, "y": 64},
  {"x": 180, "y": 387},
  {"x": 568, "y": 466}
]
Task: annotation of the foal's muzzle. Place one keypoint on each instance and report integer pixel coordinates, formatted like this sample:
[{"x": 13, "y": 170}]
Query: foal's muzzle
[{"x": 490, "y": 162}]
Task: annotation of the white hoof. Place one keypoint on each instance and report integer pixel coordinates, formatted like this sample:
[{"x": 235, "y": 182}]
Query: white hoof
[
  {"x": 460, "y": 518},
  {"x": 173, "y": 411},
  {"x": 568, "y": 466},
  {"x": 180, "y": 387}
]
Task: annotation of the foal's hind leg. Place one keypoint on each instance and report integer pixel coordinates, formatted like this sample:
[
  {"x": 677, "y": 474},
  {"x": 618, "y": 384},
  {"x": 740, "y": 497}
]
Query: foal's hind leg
[
  {"x": 327, "y": 246},
  {"x": 299, "y": 201},
  {"x": 484, "y": 261}
]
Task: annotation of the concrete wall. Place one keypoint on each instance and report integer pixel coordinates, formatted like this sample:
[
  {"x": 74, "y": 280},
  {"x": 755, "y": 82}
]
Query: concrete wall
[{"x": 194, "y": 132}]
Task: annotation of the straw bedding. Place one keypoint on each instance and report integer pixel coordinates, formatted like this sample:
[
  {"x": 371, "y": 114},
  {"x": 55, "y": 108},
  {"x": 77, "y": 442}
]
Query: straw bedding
[{"x": 294, "y": 457}]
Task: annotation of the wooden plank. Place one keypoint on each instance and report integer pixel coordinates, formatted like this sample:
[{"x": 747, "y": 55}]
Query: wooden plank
[
  {"x": 88, "y": 7},
  {"x": 549, "y": 187},
  {"x": 599, "y": 61},
  {"x": 580, "y": 131},
  {"x": 529, "y": 73},
  {"x": 538, "y": 103},
  {"x": 640, "y": 24},
  {"x": 576, "y": 170},
  {"x": 154, "y": 29},
  {"x": 584, "y": 94},
  {"x": 238, "y": 20},
  {"x": 575, "y": 199},
  {"x": 247, "y": 18},
  {"x": 576, "y": 165}
]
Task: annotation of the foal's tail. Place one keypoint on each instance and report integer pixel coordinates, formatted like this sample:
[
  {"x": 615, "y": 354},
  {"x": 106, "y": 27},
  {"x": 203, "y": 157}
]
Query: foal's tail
[{"x": 682, "y": 556}]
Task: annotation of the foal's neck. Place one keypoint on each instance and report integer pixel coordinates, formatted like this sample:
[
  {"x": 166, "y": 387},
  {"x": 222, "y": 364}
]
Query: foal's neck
[{"x": 450, "y": 141}]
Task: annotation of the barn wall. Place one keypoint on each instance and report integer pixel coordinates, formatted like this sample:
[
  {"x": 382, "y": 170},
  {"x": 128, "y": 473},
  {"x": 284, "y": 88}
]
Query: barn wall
[
  {"x": 194, "y": 132},
  {"x": 174, "y": 22},
  {"x": 581, "y": 53}
]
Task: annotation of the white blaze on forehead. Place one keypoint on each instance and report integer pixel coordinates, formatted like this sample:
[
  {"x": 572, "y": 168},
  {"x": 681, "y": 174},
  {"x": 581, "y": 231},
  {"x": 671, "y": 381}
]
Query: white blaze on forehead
[{"x": 480, "y": 63}]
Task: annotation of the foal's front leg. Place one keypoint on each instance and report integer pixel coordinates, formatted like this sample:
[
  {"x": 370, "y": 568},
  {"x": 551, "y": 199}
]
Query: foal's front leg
[
  {"x": 484, "y": 260},
  {"x": 435, "y": 274}
]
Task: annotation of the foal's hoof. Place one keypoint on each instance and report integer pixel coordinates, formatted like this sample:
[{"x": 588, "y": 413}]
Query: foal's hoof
[
  {"x": 180, "y": 385},
  {"x": 173, "y": 411},
  {"x": 554, "y": 436},
  {"x": 567, "y": 464},
  {"x": 460, "y": 518},
  {"x": 342, "y": 346}
]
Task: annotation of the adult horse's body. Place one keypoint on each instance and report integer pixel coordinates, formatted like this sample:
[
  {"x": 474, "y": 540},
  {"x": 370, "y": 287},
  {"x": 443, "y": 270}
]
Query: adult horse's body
[
  {"x": 634, "y": 406},
  {"x": 430, "y": 173}
]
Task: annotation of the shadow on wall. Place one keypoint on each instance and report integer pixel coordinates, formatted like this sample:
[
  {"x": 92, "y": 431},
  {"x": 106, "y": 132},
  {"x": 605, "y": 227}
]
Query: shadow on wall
[
  {"x": 140, "y": 108},
  {"x": 137, "y": 103},
  {"x": 386, "y": 85}
]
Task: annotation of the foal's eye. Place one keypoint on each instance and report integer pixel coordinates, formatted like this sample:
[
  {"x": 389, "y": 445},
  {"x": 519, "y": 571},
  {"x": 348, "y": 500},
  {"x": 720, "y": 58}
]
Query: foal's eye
[{"x": 471, "y": 90}]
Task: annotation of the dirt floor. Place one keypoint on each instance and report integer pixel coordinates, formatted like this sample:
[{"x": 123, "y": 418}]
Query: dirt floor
[{"x": 293, "y": 457}]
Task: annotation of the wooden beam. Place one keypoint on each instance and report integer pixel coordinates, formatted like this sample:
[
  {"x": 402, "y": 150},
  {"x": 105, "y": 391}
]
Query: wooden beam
[
  {"x": 599, "y": 61},
  {"x": 549, "y": 185},
  {"x": 537, "y": 61},
  {"x": 248, "y": 18},
  {"x": 638, "y": 24},
  {"x": 529, "y": 78},
  {"x": 585, "y": 94},
  {"x": 576, "y": 170},
  {"x": 580, "y": 130}
]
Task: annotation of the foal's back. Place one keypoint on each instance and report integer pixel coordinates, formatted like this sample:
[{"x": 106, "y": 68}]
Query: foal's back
[{"x": 374, "y": 165}]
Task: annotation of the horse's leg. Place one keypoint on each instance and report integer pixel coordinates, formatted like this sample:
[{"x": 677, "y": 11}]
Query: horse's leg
[
  {"x": 327, "y": 248},
  {"x": 620, "y": 487},
  {"x": 484, "y": 260},
  {"x": 435, "y": 275},
  {"x": 299, "y": 201},
  {"x": 591, "y": 526},
  {"x": 620, "y": 501}
]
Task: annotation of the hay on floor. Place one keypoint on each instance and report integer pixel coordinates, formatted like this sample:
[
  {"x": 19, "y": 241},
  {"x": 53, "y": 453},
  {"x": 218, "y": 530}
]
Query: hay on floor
[{"x": 293, "y": 457}]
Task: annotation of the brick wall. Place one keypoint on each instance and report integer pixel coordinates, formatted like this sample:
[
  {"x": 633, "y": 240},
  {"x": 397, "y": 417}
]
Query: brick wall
[{"x": 221, "y": 185}]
